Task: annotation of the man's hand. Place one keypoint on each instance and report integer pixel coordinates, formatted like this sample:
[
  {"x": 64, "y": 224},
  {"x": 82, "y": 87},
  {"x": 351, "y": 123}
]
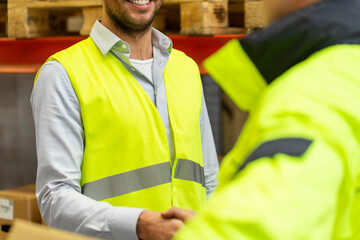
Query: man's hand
[
  {"x": 151, "y": 225},
  {"x": 178, "y": 213}
]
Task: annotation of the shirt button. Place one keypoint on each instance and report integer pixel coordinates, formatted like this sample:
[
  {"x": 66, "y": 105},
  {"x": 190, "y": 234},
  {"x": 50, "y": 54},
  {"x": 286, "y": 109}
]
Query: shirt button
[{"x": 123, "y": 46}]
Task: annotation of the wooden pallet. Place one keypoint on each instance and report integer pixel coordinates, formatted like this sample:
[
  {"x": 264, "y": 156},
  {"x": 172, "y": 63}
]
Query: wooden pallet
[
  {"x": 35, "y": 18},
  {"x": 32, "y": 18},
  {"x": 203, "y": 17},
  {"x": 212, "y": 17}
]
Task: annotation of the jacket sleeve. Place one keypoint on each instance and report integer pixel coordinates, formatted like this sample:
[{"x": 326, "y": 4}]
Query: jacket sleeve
[{"x": 286, "y": 188}]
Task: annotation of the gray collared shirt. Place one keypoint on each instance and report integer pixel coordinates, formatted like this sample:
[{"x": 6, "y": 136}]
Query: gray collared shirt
[{"x": 60, "y": 143}]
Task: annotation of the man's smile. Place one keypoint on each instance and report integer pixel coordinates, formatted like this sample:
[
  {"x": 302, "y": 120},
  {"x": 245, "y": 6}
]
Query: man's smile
[{"x": 142, "y": 4}]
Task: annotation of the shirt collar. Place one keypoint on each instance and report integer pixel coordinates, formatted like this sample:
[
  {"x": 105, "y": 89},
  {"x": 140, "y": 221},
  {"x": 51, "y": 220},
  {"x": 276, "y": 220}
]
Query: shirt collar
[
  {"x": 106, "y": 40},
  {"x": 160, "y": 41}
]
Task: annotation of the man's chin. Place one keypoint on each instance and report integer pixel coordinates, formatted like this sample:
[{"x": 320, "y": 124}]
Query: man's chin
[
  {"x": 136, "y": 26},
  {"x": 137, "y": 23}
]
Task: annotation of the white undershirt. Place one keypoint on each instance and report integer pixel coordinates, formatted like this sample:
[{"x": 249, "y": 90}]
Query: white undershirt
[{"x": 144, "y": 66}]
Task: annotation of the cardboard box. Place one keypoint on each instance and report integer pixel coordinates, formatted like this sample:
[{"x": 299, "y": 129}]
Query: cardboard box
[
  {"x": 19, "y": 203},
  {"x": 22, "y": 230}
]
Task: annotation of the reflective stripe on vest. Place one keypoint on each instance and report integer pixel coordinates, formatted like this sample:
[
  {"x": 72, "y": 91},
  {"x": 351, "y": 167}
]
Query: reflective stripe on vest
[
  {"x": 128, "y": 182},
  {"x": 143, "y": 178},
  {"x": 191, "y": 171}
]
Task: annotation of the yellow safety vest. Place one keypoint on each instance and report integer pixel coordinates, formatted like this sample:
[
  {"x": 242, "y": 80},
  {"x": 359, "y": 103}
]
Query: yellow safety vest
[{"x": 126, "y": 158}]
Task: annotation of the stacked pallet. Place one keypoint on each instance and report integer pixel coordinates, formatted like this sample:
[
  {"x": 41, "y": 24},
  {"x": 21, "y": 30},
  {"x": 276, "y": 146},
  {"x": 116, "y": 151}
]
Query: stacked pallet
[
  {"x": 191, "y": 17},
  {"x": 205, "y": 17},
  {"x": 32, "y": 18},
  {"x": 35, "y": 18}
]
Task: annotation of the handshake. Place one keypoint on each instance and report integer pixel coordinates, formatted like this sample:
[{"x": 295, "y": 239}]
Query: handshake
[{"x": 162, "y": 225}]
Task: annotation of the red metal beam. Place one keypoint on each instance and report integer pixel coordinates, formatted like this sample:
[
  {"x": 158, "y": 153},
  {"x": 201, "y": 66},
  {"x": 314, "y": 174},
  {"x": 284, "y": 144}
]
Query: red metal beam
[
  {"x": 27, "y": 55},
  {"x": 201, "y": 47},
  {"x": 32, "y": 51}
]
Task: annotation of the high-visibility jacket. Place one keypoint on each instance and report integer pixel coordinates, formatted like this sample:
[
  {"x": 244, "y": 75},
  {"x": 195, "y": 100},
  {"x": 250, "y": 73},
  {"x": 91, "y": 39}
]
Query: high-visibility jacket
[
  {"x": 126, "y": 159},
  {"x": 294, "y": 172}
]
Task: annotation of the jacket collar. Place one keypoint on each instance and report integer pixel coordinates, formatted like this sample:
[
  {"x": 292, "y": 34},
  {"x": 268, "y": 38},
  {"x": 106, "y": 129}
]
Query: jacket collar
[
  {"x": 297, "y": 36},
  {"x": 244, "y": 68},
  {"x": 106, "y": 40}
]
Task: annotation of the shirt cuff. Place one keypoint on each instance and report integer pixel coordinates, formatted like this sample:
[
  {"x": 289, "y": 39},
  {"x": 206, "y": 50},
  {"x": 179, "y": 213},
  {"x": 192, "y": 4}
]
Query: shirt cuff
[{"x": 123, "y": 222}]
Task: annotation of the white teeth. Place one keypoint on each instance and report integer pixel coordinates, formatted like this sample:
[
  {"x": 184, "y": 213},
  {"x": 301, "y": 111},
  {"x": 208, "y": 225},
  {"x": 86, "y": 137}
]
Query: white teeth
[{"x": 140, "y": 2}]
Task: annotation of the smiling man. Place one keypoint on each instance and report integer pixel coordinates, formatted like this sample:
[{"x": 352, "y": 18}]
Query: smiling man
[{"x": 122, "y": 130}]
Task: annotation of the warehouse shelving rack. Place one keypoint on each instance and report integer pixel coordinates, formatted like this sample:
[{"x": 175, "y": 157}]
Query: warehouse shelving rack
[{"x": 27, "y": 55}]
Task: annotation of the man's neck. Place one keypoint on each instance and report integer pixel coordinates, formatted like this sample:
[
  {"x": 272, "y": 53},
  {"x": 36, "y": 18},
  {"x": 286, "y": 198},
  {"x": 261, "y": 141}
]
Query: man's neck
[{"x": 140, "y": 43}]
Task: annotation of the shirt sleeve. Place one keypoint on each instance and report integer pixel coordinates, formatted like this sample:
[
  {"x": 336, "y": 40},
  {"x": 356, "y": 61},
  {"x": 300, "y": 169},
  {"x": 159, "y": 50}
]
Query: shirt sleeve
[
  {"x": 211, "y": 163},
  {"x": 60, "y": 146}
]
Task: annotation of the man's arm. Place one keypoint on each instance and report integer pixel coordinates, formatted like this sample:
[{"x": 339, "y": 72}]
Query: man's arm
[
  {"x": 211, "y": 163},
  {"x": 286, "y": 185},
  {"x": 60, "y": 146},
  {"x": 282, "y": 197}
]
